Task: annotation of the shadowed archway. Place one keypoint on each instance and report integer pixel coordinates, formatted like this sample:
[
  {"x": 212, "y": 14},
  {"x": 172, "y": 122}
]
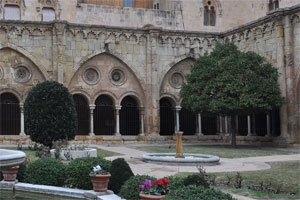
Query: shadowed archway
[
  {"x": 129, "y": 117},
  {"x": 83, "y": 115}
]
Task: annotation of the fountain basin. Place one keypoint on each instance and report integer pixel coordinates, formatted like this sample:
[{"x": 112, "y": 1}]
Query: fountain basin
[
  {"x": 188, "y": 160},
  {"x": 11, "y": 158}
]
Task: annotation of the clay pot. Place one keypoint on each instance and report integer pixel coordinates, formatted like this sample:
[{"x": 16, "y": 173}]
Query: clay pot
[
  {"x": 10, "y": 174},
  {"x": 100, "y": 182},
  {"x": 151, "y": 197}
]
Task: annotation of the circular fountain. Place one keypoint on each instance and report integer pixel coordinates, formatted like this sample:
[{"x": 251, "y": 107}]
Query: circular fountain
[
  {"x": 10, "y": 158},
  {"x": 179, "y": 158}
]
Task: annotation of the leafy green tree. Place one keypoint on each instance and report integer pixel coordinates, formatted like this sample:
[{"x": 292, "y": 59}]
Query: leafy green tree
[
  {"x": 50, "y": 113},
  {"x": 231, "y": 82}
]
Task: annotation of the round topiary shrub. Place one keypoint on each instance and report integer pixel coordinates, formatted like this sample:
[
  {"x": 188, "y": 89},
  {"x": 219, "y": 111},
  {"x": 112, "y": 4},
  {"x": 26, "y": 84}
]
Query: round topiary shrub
[
  {"x": 197, "y": 180},
  {"x": 78, "y": 171},
  {"x": 50, "y": 113},
  {"x": 193, "y": 192},
  {"x": 130, "y": 189},
  {"x": 46, "y": 171},
  {"x": 120, "y": 172}
]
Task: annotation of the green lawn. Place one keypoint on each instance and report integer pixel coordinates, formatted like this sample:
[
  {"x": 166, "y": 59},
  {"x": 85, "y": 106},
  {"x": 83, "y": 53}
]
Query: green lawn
[
  {"x": 221, "y": 151},
  {"x": 282, "y": 175}
]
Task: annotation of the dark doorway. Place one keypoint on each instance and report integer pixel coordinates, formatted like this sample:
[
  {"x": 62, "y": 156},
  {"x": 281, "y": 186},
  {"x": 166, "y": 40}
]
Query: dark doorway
[
  {"x": 275, "y": 122},
  {"x": 209, "y": 124},
  {"x": 83, "y": 115},
  {"x": 187, "y": 121},
  {"x": 104, "y": 117},
  {"x": 129, "y": 117},
  {"x": 243, "y": 125},
  {"x": 261, "y": 124},
  {"x": 9, "y": 114},
  {"x": 167, "y": 117}
]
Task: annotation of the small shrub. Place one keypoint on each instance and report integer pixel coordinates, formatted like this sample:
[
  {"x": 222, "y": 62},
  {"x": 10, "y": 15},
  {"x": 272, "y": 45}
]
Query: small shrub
[
  {"x": 175, "y": 182},
  {"x": 45, "y": 171},
  {"x": 130, "y": 189},
  {"x": 120, "y": 172},
  {"x": 197, "y": 180},
  {"x": 238, "y": 180},
  {"x": 78, "y": 171},
  {"x": 193, "y": 192}
]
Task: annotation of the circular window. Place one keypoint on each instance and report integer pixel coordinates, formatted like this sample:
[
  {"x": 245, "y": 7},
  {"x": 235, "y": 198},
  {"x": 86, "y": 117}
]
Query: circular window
[
  {"x": 117, "y": 77},
  {"x": 22, "y": 74},
  {"x": 1, "y": 73},
  {"x": 91, "y": 76},
  {"x": 176, "y": 80},
  {"x": 48, "y": 2}
]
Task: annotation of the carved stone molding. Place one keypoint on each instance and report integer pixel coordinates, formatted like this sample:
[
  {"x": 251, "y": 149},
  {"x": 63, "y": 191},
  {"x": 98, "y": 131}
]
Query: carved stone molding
[
  {"x": 22, "y": 73},
  {"x": 117, "y": 76},
  {"x": 91, "y": 76},
  {"x": 176, "y": 80},
  {"x": 1, "y": 73}
]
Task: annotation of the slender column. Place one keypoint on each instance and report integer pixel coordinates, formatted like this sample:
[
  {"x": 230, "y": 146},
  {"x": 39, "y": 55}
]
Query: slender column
[
  {"x": 199, "y": 125},
  {"x": 268, "y": 126},
  {"x": 249, "y": 125},
  {"x": 178, "y": 108},
  {"x": 117, "y": 109},
  {"x": 142, "y": 113},
  {"x": 22, "y": 133},
  {"x": 92, "y": 108},
  {"x": 221, "y": 124},
  {"x": 226, "y": 124}
]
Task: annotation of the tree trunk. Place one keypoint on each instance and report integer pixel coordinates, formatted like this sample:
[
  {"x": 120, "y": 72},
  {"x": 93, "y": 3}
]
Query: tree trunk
[{"x": 233, "y": 130}]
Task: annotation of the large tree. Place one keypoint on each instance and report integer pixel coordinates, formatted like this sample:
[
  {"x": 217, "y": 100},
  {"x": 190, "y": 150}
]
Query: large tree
[
  {"x": 230, "y": 82},
  {"x": 50, "y": 113}
]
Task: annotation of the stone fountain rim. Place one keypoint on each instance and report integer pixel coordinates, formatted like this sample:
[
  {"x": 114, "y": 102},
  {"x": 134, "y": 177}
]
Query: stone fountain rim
[
  {"x": 11, "y": 158},
  {"x": 203, "y": 158}
]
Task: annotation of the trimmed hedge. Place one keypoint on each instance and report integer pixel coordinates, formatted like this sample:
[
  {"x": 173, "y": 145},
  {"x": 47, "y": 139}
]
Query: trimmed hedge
[
  {"x": 46, "y": 171},
  {"x": 193, "y": 192},
  {"x": 120, "y": 172},
  {"x": 78, "y": 171},
  {"x": 130, "y": 189},
  {"x": 197, "y": 180},
  {"x": 50, "y": 113}
]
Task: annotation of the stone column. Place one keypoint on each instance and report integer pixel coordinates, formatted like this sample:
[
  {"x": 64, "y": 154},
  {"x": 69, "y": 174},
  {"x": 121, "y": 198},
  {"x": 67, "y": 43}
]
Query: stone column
[
  {"x": 199, "y": 125},
  {"x": 22, "y": 133},
  {"x": 249, "y": 125},
  {"x": 268, "y": 126},
  {"x": 177, "y": 108},
  {"x": 142, "y": 114},
  {"x": 92, "y": 108},
  {"x": 221, "y": 118},
  {"x": 226, "y": 124},
  {"x": 117, "y": 109}
]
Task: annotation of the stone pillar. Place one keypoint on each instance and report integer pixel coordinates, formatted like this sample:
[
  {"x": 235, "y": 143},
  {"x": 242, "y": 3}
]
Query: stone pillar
[
  {"x": 117, "y": 109},
  {"x": 268, "y": 126},
  {"x": 142, "y": 113},
  {"x": 179, "y": 153},
  {"x": 177, "y": 108},
  {"x": 249, "y": 125},
  {"x": 92, "y": 108},
  {"x": 199, "y": 125},
  {"x": 226, "y": 124},
  {"x": 22, "y": 133},
  {"x": 221, "y": 120}
]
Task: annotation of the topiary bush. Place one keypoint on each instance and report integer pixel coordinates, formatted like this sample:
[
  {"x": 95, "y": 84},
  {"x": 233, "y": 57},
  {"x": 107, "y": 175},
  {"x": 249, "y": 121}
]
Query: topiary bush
[
  {"x": 197, "y": 180},
  {"x": 46, "y": 171},
  {"x": 193, "y": 192},
  {"x": 130, "y": 189},
  {"x": 120, "y": 172},
  {"x": 50, "y": 113},
  {"x": 78, "y": 171}
]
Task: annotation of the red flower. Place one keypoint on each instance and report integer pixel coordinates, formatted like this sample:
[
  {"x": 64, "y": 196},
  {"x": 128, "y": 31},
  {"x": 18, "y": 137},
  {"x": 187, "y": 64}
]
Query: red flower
[
  {"x": 153, "y": 183},
  {"x": 160, "y": 182}
]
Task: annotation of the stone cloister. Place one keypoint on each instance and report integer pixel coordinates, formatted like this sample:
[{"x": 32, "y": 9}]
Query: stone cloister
[{"x": 126, "y": 81}]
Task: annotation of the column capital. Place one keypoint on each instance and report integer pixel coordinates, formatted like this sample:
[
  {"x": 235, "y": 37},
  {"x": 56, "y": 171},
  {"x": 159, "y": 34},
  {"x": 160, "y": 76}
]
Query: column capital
[
  {"x": 118, "y": 107},
  {"x": 21, "y": 105},
  {"x": 178, "y": 108},
  {"x": 92, "y": 106}
]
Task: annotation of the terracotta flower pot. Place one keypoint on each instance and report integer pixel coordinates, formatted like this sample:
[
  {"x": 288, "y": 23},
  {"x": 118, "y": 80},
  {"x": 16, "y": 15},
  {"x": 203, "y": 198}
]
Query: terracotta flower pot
[
  {"x": 100, "y": 182},
  {"x": 151, "y": 197},
  {"x": 10, "y": 174}
]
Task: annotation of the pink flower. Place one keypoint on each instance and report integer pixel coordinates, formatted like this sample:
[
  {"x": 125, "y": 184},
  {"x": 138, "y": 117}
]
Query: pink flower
[{"x": 142, "y": 187}]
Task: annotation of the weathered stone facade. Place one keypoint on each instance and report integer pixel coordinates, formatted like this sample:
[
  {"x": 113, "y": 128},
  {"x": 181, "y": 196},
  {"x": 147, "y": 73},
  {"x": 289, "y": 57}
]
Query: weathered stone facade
[{"x": 146, "y": 64}]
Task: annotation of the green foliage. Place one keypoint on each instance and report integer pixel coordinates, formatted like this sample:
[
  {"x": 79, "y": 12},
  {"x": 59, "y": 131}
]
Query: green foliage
[
  {"x": 46, "y": 171},
  {"x": 175, "y": 182},
  {"x": 130, "y": 189},
  {"x": 120, "y": 172},
  {"x": 193, "y": 192},
  {"x": 50, "y": 113},
  {"x": 78, "y": 171},
  {"x": 229, "y": 81},
  {"x": 21, "y": 172},
  {"x": 197, "y": 180}
]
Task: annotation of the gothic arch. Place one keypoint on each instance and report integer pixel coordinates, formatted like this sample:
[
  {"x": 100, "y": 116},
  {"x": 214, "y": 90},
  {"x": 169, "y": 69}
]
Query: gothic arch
[
  {"x": 22, "y": 51},
  {"x": 107, "y": 93},
  {"x": 134, "y": 95},
  {"x": 82, "y": 93},
  {"x": 14, "y": 92}
]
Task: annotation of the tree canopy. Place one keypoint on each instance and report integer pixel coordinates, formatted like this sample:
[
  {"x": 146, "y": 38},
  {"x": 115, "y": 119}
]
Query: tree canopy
[
  {"x": 50, "y": 113},
  {"x": 228, "y": 81}
]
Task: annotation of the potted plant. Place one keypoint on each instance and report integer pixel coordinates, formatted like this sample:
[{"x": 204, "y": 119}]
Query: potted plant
[
  {"x": 100, "y": 179},
  {"x": 10, "y": 174},
  {"x": 154, "y": 190}
]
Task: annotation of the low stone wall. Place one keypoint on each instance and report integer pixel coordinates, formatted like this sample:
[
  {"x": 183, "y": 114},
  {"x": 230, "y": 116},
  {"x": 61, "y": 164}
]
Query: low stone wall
[{"x": 116, "y": 140}]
